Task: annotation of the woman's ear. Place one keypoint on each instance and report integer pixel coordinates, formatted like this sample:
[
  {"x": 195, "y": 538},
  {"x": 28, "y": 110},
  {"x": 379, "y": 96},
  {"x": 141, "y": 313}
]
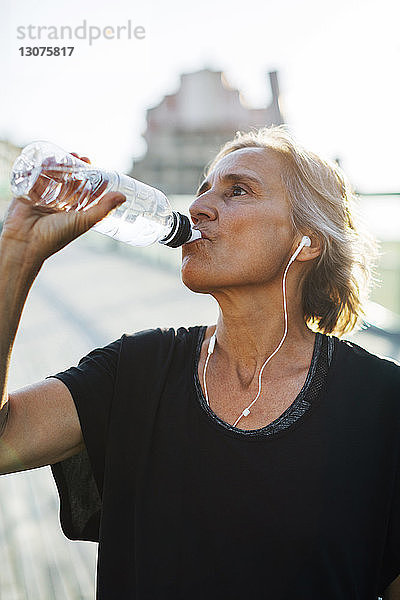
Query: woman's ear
[{"x": 310, "y": 252}]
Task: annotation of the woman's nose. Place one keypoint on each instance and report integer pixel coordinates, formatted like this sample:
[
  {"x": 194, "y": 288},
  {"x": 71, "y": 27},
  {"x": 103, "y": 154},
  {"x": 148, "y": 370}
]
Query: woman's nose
[{"x": 202, "y": 209}]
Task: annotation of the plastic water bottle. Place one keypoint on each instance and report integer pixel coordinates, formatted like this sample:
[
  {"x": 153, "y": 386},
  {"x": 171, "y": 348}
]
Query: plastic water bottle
[{"x": 51, "y": 178}]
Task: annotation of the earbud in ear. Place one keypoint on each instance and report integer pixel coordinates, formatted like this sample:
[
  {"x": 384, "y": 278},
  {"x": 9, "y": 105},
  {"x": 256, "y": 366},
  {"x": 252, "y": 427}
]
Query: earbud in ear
[{"x": 305, "y": 241}]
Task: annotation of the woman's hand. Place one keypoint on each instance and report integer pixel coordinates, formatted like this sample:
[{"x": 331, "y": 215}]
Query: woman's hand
[{"x": 38, "y": 232}]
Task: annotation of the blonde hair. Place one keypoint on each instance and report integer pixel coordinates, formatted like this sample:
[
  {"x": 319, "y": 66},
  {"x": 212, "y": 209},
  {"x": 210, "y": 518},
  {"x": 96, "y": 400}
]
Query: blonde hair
[{"x": 336, "y": 288}]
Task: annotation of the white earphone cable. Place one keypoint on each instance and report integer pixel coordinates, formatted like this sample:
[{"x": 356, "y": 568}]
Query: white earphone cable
[{"x": 211, "y": 345}]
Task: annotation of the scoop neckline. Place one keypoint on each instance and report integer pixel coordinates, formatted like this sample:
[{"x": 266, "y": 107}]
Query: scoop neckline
[{"x": 251, "y": 434}]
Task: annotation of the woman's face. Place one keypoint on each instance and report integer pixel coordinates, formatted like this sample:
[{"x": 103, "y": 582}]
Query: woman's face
[{"x": 241, "y": 209}]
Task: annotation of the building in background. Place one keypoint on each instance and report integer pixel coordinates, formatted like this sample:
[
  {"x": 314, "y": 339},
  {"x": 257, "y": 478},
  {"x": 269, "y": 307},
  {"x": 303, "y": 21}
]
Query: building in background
[
  {"x": 8, "y": 154},
  {"x": 187, "y": 128}
]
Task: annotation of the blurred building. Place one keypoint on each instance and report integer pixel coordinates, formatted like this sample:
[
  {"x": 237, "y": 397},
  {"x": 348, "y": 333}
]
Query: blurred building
[
  {"x": 187, "y": 128},
  {"x": 8, "y": 154}
]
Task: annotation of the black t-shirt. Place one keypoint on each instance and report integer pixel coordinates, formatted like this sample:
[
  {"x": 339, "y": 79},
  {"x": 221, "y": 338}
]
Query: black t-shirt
[{"x": 184, "y": 507}]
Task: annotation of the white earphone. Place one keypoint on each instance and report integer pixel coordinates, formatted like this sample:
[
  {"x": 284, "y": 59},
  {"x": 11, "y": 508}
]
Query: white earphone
[{"x": 305, "y": 241}]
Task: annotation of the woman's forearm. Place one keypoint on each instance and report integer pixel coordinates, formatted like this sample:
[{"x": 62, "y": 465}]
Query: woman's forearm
[
  {"x": 30, "y": 235},
  {"x": 17, "y": 274}
]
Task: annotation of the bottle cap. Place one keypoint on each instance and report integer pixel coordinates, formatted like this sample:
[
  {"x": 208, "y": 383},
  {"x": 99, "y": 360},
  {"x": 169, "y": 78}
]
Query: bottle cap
[{"x": 181, "y": 231}]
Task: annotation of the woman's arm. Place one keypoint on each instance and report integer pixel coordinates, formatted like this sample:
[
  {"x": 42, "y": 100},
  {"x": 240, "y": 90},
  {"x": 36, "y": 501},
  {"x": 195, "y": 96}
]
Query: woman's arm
[{"x": 37, "y": 415}]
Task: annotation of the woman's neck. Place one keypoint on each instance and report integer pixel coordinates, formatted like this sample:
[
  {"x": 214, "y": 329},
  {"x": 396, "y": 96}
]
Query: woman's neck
[{"x": 250, "y": 326}]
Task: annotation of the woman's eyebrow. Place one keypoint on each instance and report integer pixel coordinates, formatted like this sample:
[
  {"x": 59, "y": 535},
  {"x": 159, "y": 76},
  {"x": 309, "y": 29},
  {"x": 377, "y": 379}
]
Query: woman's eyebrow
[{"x": 231, "y": 177}]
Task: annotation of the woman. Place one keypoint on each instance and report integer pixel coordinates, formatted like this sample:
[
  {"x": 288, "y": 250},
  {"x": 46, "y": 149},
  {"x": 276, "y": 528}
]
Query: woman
[{"x": 255, "y": 458}]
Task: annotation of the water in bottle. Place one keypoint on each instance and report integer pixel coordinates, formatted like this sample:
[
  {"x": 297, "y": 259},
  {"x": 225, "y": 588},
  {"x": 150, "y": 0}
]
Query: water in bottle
[{"x": 53, "y": 179}]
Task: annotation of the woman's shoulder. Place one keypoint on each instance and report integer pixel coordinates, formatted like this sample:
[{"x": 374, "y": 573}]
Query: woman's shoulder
[
  {"x": 160, "y": 349},
  {"x": 163, "y": 339},
  {"x": 169, "y": 333},
  {"x": 356, "y": 356}
]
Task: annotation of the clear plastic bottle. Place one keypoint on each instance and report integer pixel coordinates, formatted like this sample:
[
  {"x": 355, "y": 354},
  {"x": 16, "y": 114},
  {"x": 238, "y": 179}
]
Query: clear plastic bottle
[{"x": 52, "y": 178}]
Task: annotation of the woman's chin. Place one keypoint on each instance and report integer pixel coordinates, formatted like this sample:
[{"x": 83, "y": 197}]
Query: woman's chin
[
  {"x": 196, "y": 281},
  {"x": 195, "y": 285}
]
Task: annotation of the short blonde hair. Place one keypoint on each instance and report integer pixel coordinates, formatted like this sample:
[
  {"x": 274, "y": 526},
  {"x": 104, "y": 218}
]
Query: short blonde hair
[{"x": 335, "y": 290}]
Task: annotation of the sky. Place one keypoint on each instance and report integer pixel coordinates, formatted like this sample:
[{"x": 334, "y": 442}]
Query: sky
[{"x": 338, "y": 64}]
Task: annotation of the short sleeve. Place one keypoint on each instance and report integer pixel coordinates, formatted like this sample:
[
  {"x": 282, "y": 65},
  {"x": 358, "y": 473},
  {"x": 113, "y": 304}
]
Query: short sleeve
[{"x": 79, "y": 479}]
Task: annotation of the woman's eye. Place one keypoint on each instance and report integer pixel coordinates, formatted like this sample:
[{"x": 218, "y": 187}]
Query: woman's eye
[{"x": 237, "y": 190}]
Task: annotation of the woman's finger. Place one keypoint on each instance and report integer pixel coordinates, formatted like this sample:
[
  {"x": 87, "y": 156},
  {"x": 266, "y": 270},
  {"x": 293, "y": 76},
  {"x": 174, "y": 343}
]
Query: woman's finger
[{"x": 84, "y": 158}]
